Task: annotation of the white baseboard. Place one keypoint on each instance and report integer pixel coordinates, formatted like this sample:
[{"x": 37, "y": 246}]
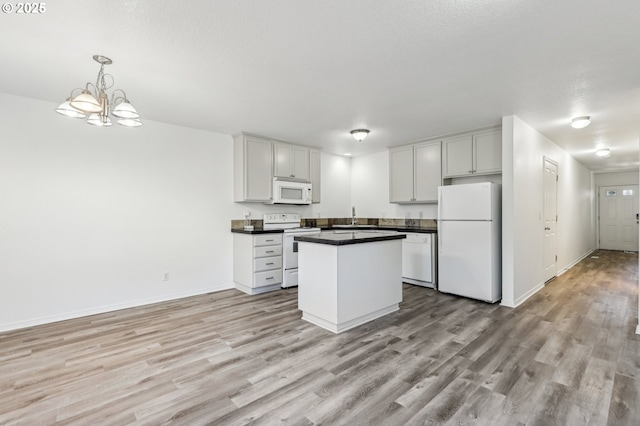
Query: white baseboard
[
  {"x": 519, "y": 301},
  {"x": 110, "y": 308},
  {"x": 638, "y": 329},
  {"x": 580, "y": 259}
]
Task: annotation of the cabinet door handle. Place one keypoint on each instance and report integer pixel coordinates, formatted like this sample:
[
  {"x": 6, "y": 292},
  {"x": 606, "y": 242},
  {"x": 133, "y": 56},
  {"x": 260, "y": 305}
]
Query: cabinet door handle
[
  {"x": 268, "y": 241},
  {"x": 292, "y": 175},
  {"x": 269, "y": 278},
  {"x": 269, "y": 251},
  {"x": 270, "y": 263}
]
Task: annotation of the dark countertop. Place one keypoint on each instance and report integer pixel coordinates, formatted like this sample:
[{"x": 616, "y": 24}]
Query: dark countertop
[
  {"x": 345, "y": 236},
  {"x": 257, "y": 231},
  {"x": 409, "y": 229},
  {"x": 423, "y": 230}
]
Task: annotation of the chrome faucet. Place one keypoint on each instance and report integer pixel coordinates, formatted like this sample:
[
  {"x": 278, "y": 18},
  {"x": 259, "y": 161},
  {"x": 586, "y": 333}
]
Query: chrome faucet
[{"x": 354, "y": 221}]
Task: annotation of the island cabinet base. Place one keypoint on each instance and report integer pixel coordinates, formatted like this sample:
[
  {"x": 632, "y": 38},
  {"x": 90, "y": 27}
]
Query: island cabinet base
[
  {"x": 343, "y": 286},
  {"x": 348, "y": 325}
]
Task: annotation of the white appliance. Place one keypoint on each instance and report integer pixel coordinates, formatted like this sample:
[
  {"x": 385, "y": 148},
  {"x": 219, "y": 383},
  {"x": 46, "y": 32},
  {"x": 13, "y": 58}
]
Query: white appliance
[
  {"x": 290, "y": 224},
  {"x": 418, "y": 259},
  {"x": 287, "y": 191},
  {"x": 469, "y": 241}
]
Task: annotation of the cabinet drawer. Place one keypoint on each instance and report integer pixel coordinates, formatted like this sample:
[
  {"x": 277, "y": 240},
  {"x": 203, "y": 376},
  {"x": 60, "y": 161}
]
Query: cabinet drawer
[
  {"x": 267, "y": 251},
  {"x": 261, "y": 279},
  {"x": 267, "y": 240},
  {"x": 266, "y": 263}
]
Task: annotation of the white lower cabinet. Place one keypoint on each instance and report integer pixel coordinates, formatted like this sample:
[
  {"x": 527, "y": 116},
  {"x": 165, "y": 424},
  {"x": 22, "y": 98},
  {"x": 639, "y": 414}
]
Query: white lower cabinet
[{"x": 257, "y": 262}]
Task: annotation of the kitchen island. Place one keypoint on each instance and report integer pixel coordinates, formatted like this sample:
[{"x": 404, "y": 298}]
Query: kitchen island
[{"x": 347, "y": 278}]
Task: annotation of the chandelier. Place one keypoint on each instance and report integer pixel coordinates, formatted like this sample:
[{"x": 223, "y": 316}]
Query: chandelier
[{"x": 94, "y": 104}]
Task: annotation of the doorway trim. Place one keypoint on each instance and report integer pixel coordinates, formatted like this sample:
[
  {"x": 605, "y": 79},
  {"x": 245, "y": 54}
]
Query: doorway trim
[{"x": 554, "y": 226}]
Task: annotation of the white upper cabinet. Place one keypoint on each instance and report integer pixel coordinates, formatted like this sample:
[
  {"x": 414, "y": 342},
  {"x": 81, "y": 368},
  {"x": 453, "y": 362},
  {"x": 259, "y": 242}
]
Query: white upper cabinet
[
  {"x": 314, "y": 174},
  {"x": 473, "y": 154},
  {"x": 428, "y": 171},
  {"x": 415, "y": 173},
  {"x": 290, "y": 161},
  {"x": 256, "y": 160},
  {"x": 457, "y": 154},
  {"x": 487, "y": 147},
  {"x": 401, "y": 175},
  {"x": 252, "y": 168}
]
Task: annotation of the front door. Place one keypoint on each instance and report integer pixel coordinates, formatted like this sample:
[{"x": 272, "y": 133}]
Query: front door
[
  {"x": 550, "y": 209},
  {"x": 618, "y": 208}
]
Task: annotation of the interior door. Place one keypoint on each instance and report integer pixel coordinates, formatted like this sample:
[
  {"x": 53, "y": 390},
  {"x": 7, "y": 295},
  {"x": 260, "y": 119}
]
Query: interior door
[
  {"x": 618, "y": 208},
  {"x": 550, "y": 216}
]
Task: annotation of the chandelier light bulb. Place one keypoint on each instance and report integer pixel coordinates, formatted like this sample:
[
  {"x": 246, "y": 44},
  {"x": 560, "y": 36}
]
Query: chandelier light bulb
[
  {"x": 125, "y": 110},
  {"x": 66, "y": 109},
  {"x": 86, "y": 102},
  {"x": 604, "y": 152}
]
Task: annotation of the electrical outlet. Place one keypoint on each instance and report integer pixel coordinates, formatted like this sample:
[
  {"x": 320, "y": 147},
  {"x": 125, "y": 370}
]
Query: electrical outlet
[{"x": 165, "y": 276}]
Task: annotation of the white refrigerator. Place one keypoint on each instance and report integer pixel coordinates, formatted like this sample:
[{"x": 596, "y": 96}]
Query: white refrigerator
[{"x": 469, "y": 241}]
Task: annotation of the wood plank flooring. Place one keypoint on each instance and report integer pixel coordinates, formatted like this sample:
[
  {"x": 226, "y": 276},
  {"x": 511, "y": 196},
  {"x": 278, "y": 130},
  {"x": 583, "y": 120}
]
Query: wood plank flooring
[{"x": 568, "y": 356}]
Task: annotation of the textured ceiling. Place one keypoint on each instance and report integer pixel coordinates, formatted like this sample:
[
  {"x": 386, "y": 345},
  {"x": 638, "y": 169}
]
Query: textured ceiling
[{"x": 310, "y": 71}]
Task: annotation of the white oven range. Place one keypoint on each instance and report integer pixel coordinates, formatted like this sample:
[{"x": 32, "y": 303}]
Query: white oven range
[{"x": 290, "y": 224}]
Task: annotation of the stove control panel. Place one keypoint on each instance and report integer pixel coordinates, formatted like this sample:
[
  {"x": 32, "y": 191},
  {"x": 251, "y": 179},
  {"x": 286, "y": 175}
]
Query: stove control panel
[{"x": 281, "y": 218}]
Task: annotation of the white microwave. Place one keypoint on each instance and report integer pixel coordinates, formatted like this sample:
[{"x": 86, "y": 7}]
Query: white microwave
[{"x": 291, "y": 192}]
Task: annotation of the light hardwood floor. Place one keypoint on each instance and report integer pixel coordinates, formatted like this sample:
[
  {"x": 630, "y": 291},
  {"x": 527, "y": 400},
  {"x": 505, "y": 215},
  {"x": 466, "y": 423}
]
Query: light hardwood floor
[{"x": 568, "y": 356}]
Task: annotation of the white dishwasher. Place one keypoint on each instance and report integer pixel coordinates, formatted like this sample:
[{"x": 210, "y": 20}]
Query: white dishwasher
[{"x": 418, "y": 259}]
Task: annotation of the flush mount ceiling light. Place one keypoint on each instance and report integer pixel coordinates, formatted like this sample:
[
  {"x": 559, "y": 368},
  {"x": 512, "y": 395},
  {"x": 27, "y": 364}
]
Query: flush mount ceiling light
[
  {"x": 359, "y": 134},
  {"x": 94, "y": 102},
  {"x": 580, "y": 122},
  {"x": 604, "y": 152}
]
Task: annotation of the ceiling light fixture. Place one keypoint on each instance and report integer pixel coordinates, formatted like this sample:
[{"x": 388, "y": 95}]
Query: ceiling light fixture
[
  {"x": 94, "y": 102},
  {"x": 359, "y": 134},
  {"x": 580, "y": 122},
  {"x": 604, "y": 152}
]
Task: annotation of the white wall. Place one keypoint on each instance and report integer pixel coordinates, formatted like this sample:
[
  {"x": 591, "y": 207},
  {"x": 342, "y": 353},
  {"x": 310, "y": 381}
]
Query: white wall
[
  {"x": 370, "y": 191},
  {"x": 91, "y": 218},
  {"x": 524, "y": 149},
  {"x": 621, "y": 178}
]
